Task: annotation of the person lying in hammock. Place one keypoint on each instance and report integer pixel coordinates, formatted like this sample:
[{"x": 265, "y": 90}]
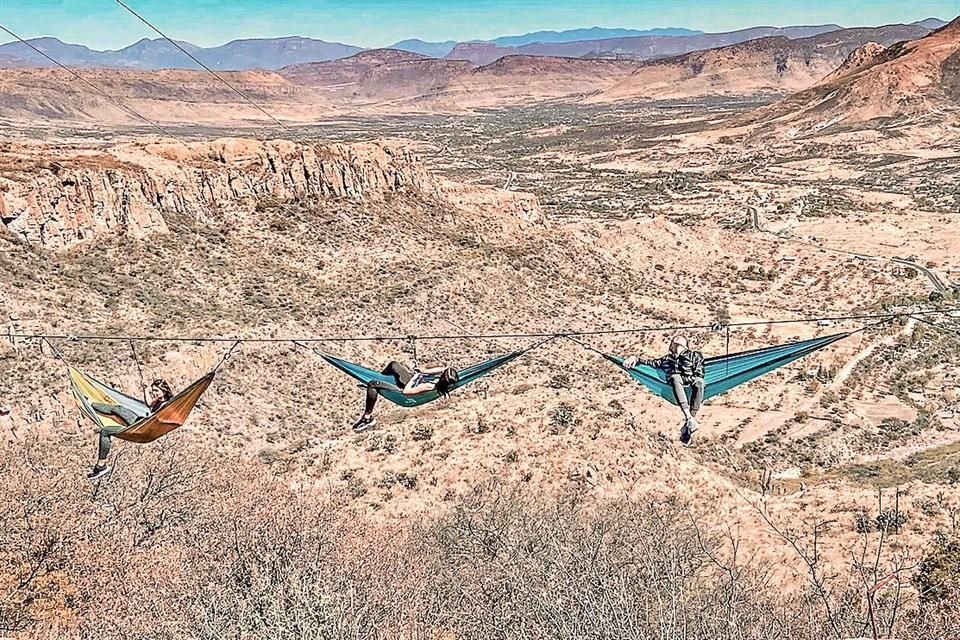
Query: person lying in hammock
[
  {"x": 159, "y": 394},
  {"x": 410, "y": 383},
  {"x": 682, "y": 368}
]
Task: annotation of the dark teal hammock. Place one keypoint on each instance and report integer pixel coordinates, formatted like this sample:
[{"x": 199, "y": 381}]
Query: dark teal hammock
[
  {"x": 366, "y": 376},
  {"x": 723, "y": 373}
]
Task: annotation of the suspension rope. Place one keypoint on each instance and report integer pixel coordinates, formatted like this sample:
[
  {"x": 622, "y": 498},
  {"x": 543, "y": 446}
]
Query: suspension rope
[
  {"x": 56, "y": 352},
  {"x": 143, "y": 383},
  {"x": 882, "y": 317},
  {"x": 583, "y": 344},
  {"x": 940, "y": 327},
  {"x": 412, "y": 340},
  {"x": 727, "y": 372},
  {"x": 227, "y": 355},
  {"x": 208, "y": 69}
]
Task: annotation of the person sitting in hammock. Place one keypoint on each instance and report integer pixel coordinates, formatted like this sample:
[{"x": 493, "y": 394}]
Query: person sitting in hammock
[
  {"x": 682, "y": 368},
  {"x": 410, "y": 383},
  {"x": 159, "y": 394}
]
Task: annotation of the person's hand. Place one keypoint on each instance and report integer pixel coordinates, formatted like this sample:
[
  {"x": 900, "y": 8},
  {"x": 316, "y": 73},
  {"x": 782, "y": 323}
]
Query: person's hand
[{"x": 631, "y": 362}]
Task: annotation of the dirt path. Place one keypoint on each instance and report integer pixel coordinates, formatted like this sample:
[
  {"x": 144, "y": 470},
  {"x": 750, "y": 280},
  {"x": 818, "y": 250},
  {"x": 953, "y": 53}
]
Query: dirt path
[{"x": 864, "y": 353}]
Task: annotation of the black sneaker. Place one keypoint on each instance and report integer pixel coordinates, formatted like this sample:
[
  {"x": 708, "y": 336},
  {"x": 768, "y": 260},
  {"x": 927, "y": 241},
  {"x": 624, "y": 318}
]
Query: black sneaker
[
  {"x": 99, "y": 471},
  {"x": 364, "y": 423}
]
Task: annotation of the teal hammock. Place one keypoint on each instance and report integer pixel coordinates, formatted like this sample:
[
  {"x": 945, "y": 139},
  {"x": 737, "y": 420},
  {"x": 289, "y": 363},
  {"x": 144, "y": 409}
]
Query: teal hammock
[
  {"x": 723, "y": 373},
  {"x": 366, "y": 376}
]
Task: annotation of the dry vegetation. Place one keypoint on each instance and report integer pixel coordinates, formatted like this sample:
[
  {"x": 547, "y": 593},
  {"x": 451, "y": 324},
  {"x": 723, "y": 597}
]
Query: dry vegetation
[{"x": 178, "y": 546}]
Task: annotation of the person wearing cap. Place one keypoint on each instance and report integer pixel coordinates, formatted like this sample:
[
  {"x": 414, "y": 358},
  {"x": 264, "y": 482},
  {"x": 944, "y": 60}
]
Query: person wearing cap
[{"x": 682, "y": 368}]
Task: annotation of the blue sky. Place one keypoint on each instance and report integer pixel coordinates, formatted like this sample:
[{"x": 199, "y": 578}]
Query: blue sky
[{"x": 103, "y": 24}]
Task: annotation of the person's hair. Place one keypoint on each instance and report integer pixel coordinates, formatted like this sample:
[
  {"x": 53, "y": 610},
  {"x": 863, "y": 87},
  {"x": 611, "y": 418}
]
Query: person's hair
[
  {"x": 447, "y": 380},
  {"x": 163, "y": 387}
]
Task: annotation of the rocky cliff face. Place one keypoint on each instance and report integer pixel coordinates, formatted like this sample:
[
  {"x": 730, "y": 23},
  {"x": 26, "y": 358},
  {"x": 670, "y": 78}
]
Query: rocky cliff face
[{"x": 128, "y": 189}]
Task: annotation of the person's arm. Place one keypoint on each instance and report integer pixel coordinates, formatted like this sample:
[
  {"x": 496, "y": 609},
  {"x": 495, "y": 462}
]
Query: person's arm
[
  {"x": 432, "y": 371},
  {"x": 413, "y": 387},
  {"x": 633, "y": 361},
  {"x": 698, "y": 362}
]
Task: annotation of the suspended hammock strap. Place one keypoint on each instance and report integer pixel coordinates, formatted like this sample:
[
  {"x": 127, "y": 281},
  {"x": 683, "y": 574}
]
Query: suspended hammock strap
[
  {"x": 728, "y": 350},
  {"x": 584, "y": 345},
  {"x": 143, "y": 383},
  {"x": 226, "y": 356},
  {"x": 413, "y": 349},
  {"x": 939, "y": 327},
  {"x": 388, "y": 390},
  {"x": 56, "y": 352}
]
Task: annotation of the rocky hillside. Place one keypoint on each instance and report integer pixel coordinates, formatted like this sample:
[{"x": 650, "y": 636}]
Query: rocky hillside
[
  {"x": 761, "y": 66},
  {"x": 129, "y": 189},
  {"x": 165, "y": 96},
  {"x": 346, "y": 71},
  {"x": 524, "y": 79},
  {"x": 637, "y": 47},
  {"x": 367, "y": 243},
  {"x": 907, "y": 80}
]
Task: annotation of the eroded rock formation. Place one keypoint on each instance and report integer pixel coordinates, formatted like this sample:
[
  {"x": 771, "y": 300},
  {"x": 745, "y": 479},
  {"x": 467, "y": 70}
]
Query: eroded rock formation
[{"x": 57, "y": 197}]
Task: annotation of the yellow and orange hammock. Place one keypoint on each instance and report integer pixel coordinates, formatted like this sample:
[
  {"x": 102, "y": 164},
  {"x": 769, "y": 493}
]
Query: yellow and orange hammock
[{"x": 172, "y": 414}]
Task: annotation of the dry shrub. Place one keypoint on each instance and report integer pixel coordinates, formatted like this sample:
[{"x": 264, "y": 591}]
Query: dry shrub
[{"x": 171, "y": 546}]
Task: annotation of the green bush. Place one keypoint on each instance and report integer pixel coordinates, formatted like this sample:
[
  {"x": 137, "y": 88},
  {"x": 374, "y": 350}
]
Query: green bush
[
  {"x": 891, "y": 520},
  {"x": 560, "y": 380},
  {"x": 938, "y": 577},
  {"x": 562, "y": 418},
  {"x": 422, "y": 433}
]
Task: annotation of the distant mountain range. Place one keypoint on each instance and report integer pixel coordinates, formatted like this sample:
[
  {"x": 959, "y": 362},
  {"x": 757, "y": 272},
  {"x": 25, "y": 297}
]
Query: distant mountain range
[
  {"x": 275, "y": 53},
  {"x": 430, "y": 49},
  {"x": 635, "y": 47},
  {"x": 930, "y": 23},
  {"x": 442, "y": 49},
  {"x": 593, "y": 33},
  {"x": 262, "y": 53},
  {"x": 848, "y": 74}
]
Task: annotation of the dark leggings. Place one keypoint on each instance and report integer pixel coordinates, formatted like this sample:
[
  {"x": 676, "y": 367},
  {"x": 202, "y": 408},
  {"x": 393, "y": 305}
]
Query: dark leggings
[
  {"x": 696, "y": 398},
  {"x": 401, "y": 375},
  {"x": 106, "y": 433}
]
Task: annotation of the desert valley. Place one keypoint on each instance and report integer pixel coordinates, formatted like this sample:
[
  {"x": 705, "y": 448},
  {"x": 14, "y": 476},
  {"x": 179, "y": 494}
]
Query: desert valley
[{"x": 760, "y": 188}]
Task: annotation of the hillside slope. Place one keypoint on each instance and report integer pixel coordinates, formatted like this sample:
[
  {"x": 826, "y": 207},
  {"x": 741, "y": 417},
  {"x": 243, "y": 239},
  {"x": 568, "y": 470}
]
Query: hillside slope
[
  {"x": 761, "y": 66},
  {"x": 909, "y": 80},
  {"x": 165, "y": 96}
]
